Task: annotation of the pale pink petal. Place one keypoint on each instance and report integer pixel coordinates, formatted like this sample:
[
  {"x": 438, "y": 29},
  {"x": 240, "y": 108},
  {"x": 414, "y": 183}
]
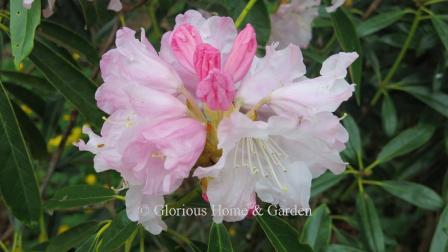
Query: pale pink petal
[
  {"x": 48, "y": 11},
  {"x": 115, "y": 5},
  {"x": 335, "y": 4},
  {"x": 206, "y": 58},
  {"x": 216, "y": 90},
  {"x": 337, "y": 64},
  {"x": 27, "y": 4},
  {"x": 242, "y": 54}
]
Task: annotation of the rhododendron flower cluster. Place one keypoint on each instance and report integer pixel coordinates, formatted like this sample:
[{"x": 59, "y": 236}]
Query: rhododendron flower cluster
[
  {"x": 275, "y": 128},
  {"x": 297, "y": 16}
]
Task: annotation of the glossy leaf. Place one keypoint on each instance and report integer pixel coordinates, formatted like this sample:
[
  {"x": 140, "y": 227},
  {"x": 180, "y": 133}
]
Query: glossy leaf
[
  {"x": 22, "y": 28},
  {"x": 354, "y": 141},
  {"x": 281, "y": 234},
  {"x": 118, "y": 232},
  {"x": 441, "y": 28},
  {"x": 370, "y": 223},
  {"x": 405, "y": 142},
  {"x": 73, "y": 237},
  {"x": 69, "y": 39},
  {"x": 325, "y": 182},
  {"x": 67, "y": 79},
  {"x": 18, "y": 182},
  {"x": 37, "y": 84},
  {"x": 416, "y": 194},
  {"x": 317, "y": 229},
  {"x": 440, "y": 239},
  {"x": 436, "y": 100},
  {"x": 379, "y": 22},
  {"x": 219, "y": 239},
  {"x": 349, "y": 42},
  {"x": 389, "y": 116},
  {"x": 78, "y": 196}
]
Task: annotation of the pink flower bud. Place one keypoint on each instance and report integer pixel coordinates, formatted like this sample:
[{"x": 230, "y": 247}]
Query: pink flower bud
[
  {"x": 184, "y": 40},
  {"x": 206, "y": 58},
  {"x": 242, "y": 54},
  {"x": 216, "y": 90}
]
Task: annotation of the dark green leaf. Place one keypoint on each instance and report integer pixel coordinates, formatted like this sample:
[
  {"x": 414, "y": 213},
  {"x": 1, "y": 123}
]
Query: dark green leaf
[
  {"x": 442, "y": 29},
  {"x": 88, "y": 245},
  {"x": 405, "y": 142},
  {"x": 414, "y": 193},
  {"x": 342, "y": 248},
  {"x": 436, "y": 100},
  {"x": 32, "y": 100},
  {"x": 37, "y": 84},
  {"x": 18, "y": 181},
  {"x": 66, "y": 78},
  {"x": 440, "y": 239},
  {"x": 325, "y": 182},
  {"x": 118, "y": 232},
  {"x": 389, "y": 116},
  {"x": 354, "y": 141},
  {"x": 88, "y": 11},
  {"x": 79, "y": 195},
  {"x": 282, "y": 236},
  {"x": 370, "y": 223},
  {"x": 349, "y": 42},
  {"x": 317, "y": 229},
  {"x": 219, "y": 239},
  {"x": 22, "y": 27},
  {"x": 73, "y": 237},
  {"x": 68, "y": 39},
  {"x": 379, "y": 22}
]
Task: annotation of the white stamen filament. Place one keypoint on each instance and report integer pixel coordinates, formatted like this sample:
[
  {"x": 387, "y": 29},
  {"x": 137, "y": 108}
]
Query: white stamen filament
[{"x": 249, "y": 153}]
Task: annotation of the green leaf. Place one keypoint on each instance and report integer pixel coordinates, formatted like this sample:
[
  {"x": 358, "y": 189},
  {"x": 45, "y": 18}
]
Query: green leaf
[
  {"x": 89, "y": 12},
  {"x": 282, "y": 236},
  {"x": 441, "y": 29},
  {"x": 440, "y": 239},
  {"x": 436, "y": 100},
  {"x": 325, "y": 182},
  {"x": 349, "y": 42},
  {"x": 88, "y": 245},
  {"x": 219, "y": 239},
  {"x": 73, "y": 237},
  {"x": 36, "y": 84},
  {"x": 22, "y": 27},
  {"x": 26, "y": 96},
  {"x": 74, "y": 85},
  {"x": 68, "y": 39},
  {"x": 18, "y": 182},
  {"x": 317, "y": 229},
  {"x": 370, "y": 223},
  {"x": 354, "y": 141},
  {"x": 118, "y": 232},
  {"x": 78, "y": 196},
  {"x": 416, "y": 194},
  {"x": 342, "y": 248},
  {"x": 405, "y": 142},
  {"x": 379, "y": 22},
  {"x": 389, "y": 116}
]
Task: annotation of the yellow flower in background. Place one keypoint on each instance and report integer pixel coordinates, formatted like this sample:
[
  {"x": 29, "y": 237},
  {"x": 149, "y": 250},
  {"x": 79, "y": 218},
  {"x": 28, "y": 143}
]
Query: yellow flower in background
[
  {"x": 21, "y": 67},
  {"x": 26, "y": 109},
  {"x": 232, "y": 231},
  {"x": 53, "y": 143},
  {"x": 90, "y": 179},
  {"x": 66, "y": 117},
  {"x": 74, "y": 136},
  {"x": 76, "y": 56},
  {"x": 63, "y": 228}
]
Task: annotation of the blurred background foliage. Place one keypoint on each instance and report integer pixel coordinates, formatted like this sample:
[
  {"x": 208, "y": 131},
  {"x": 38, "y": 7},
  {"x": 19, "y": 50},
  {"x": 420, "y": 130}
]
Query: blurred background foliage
[{"x": 392, "y": 197}]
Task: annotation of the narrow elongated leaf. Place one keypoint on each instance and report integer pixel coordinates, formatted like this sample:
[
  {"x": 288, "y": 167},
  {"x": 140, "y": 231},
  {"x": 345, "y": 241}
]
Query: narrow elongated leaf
[
  {"x": 349, "y": 42},
  {"x": 342, "y": 248},
  {"x": 79, "y": 195},
  {"x": 317, "y": 229},
  {"x": 32, "y": 100},
  {"x": 88, "y": 11},
  {"x": 325, "y": 182},
  {"x": 22, "y": 27},
  {"x": 88, "y": 245},
  {"x": 370, "y": 223},
  {"x": 440, "y": 239},
  {"x": 66, "y": 78},
  {"x": 34, "y": 83},
  {"x": 379, "y": 22},
  {"x": 68, "y": 39},
  {"x": 118, "y": 232},
  {"x": 442, "y": 29},
  {"x": 416, "y": 194},
  {"x": 436, "y": 100},
  {"x": 354, "y": 141},
  {"x": 389, "y": 116},
  {"x": 282, "y": 236},
  {"x": 407, "y": 141},
  {"x": 18, "y": 181},
  {"x": 73, "y": 237},
  {"x": 219, "y": 239}
]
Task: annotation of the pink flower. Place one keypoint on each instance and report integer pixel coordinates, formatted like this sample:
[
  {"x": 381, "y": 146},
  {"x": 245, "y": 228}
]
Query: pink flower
[{"x": 191, "y": 51}]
